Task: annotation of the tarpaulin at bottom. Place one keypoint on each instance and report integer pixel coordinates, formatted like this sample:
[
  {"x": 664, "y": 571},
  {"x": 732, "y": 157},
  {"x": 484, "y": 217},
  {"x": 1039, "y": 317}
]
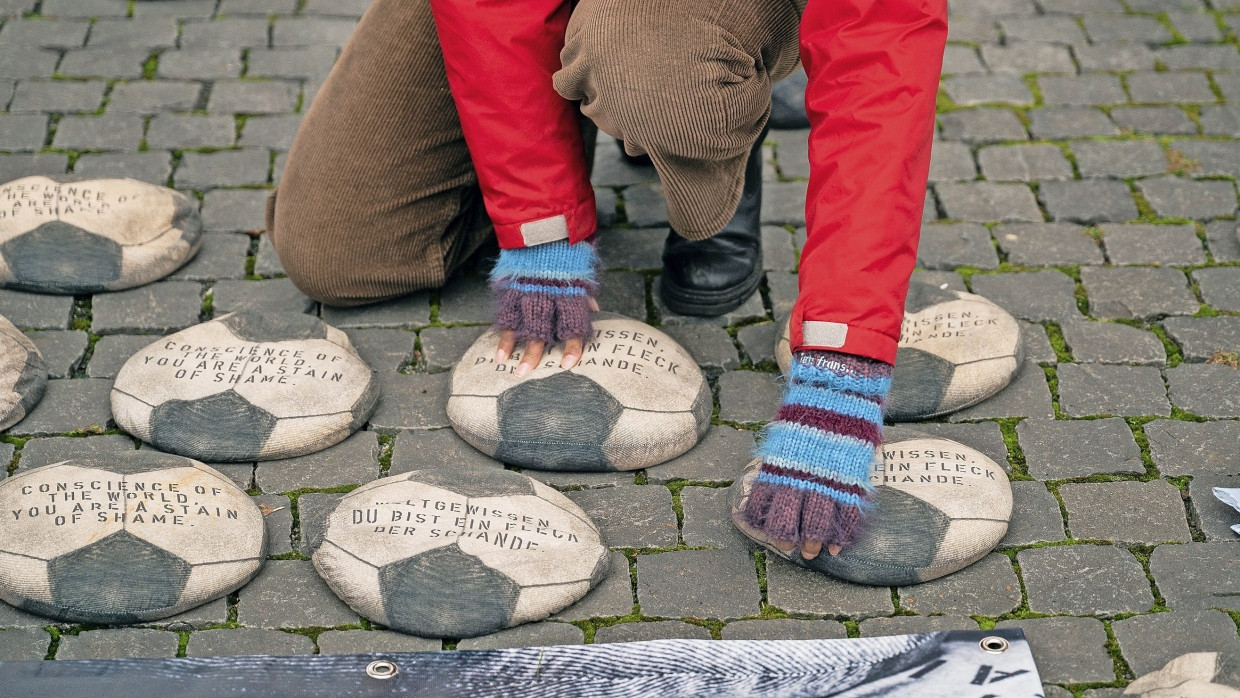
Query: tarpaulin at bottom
[{"x": 960, "y": 664}]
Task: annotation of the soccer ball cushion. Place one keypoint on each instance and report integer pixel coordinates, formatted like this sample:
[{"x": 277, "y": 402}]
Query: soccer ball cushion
[
  {"x": 23, "y": 375},
  {"x": 459, "y": 552},
  {"x": 125, "y": 539},
  {"x": 247, "y": 386},
  {"x": 634, "y": 400},
  {"x": 937, "y": 507},
  {"x": 956, "y": 349},
  {"x": 63, "y": 236}
]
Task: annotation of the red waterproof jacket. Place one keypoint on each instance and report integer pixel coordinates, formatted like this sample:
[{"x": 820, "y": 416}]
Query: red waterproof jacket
[{"x": 873, "y": 68}]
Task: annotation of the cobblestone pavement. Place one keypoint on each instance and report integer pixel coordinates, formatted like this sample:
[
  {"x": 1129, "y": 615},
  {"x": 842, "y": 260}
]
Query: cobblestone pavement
[{"x": 1084, "y": 179}]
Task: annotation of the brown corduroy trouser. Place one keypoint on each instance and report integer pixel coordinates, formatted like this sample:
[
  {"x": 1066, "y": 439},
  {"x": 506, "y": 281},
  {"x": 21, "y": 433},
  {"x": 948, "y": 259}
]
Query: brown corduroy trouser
[{"x": 379, "y": 197}]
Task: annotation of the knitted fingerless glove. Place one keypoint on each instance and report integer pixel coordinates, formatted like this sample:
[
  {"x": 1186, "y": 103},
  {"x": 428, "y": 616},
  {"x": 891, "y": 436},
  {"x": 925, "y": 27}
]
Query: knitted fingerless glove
[
  {"x": 815, "y": 474},
  {"x": 542, "y": 293}
]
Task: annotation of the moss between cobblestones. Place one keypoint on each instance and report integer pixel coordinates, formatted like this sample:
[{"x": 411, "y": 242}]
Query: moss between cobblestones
[
  {"x": 386, "y": 443},
  {"x": 1052, "y": 383},
  {"x": 1054, "y": 333}
]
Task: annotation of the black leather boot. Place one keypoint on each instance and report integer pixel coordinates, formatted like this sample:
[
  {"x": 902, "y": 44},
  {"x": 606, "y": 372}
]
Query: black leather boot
[{"x": 714, "y": 276}]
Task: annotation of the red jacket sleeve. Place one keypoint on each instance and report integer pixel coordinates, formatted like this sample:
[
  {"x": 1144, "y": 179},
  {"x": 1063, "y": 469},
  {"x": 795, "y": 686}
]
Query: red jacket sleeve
[
  {"x": 873, "y": 68},
  {"x": 523, "y": 137}
]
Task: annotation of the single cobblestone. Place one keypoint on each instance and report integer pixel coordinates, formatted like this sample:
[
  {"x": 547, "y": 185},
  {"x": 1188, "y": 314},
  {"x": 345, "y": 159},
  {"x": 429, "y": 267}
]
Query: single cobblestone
[
  {"x": 951, "y": 162},
  {"x": 1173, "y": 197},
  {"x": 1113, "y": 343},
  {"x": 711, "y": 347},
  {"x": 467, "y": 300},
  {"x": 161, "y": 307},
  {"x": 1020, "y": 58},
  {"x": 290, "y": 594},
  {"x": 407, "y": 312},
  {"x": 970, "y": 90},
  {"x": 1069, "y": 122},
  {"x": 1125, "y": 28},
  {"x": 1055, "y": 580},
  {"x": 545, "y": 634},
  {"x": 275, "y": 132},
  {"x": 27, "y": 164},
  {"x": 226, "y": 168},
  {"x": 47, "y": 33},
  {"x": 1047, "y": 244},
  {"x": 312, "y": 512},
  {"x": 1057, "y": 449},
  {"x": 270, "y": 295},
  {"x": 1028, "y": 395},
  {"x": 68, "y": 405},
  {"x": 1205, "y": 390},
  {"x": 611, "y": 597},
  {"x": 1137, "y": 292},
  {"x": 1194, "y": 448},
  {"x": 415, "y": 450},
  {"x": 1066, "y": 649},
  {"x": 1200, "y": 338},
  {"x": 1023, "y": 163},
  {"x": 672, "y": 584},
  {"x": 988, "y": 587},
  {"x": 784, "y": 629},
  {"x": 1039, "y": 519},
  {"x": 1096, "y": 389},
  {"x": 629, "y": 517},
  {"x": 412, "y": 402},
  {"x": 1088, "y": 201},
  {"x": 247, "y": 641},
  {"x": 904, "y": 625},
  {"x": 1137, "y": 513},
  {"x": 383, "y": 350},
  {"x": 707, "y": 520},
  {"x": 120, "y": 642},
  {"x": 1197, "y": 576},
  {"x": 1148, "y": 642},
  {"x": 152, "y": 167},
  {"x": 1220, "y": 287},
  {"x": 1089, "y": 89},
  {"x": 220, "y": 257},
  {"x": 1153, "y": 244},
  {"x": 230, "y": 32},
  {"x": 956, "y": 245},
  {"x": 988, "y": 201},
  {"x": 805, "y": 592},
  {"x": 1119, "y": 158},
  {"x": 366, "y": 641},
  {"x": 122, "y": 63},
  {"x": 267, "y": 262},
  {"x": 354, "y": 461},
  {"x": 1213, "y": 517},
  {"x": 751, "y": 309},
  {"x": 278, "y": 518},
  {"x": 311, "y": 31},
  {"x": 23, "y": 131},
  {"x": 1114, "y": 56},
  {"x": 747, "y": 396},
  {"x": 1056, "y": 29},
  {"x": 200, "y": 64},
  {"x": 1037, "y": 296},
  {"x": 45, "y": 451},
  {"x": 62, "y": 350},
  {"x": 13, "y": 618},
  {"x": 113, "y": 351},
  {"x": 57, "y": 96},
  {"x": 656, "y": 630},
  {"x": 176, "y": 131},
  {"x": 24, "y": 644},
  {"x": 981, "y": 126},
  {"x": 1158, "y": 120}
]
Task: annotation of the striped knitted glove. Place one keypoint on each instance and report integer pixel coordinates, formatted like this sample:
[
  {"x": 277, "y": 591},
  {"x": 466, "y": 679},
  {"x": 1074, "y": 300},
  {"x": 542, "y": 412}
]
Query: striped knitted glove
[
  {"x": 543, "y": 292},
  {"x": 814, "y": 481}
]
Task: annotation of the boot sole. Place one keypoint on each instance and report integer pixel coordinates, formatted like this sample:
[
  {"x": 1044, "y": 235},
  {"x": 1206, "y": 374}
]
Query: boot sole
[{"x": 683, "y": 301}]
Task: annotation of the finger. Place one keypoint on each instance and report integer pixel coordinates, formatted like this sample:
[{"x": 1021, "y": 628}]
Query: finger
[
  {"x": 593, "y": 304},
  {"x": 834, "y": 549},
  {"x": 507, "y": 341},
  {"x": 810, "y": 549},
  {"x": 533, "y": 355},
  {"x": 572, "y": 353},
  {"x": 785, "y": 546}
]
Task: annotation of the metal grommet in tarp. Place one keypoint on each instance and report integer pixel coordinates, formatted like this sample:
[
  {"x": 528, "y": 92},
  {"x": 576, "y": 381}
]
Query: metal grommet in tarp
[
  {"x": 994, "y": 644},
  {"x": 382, "y": 669}
]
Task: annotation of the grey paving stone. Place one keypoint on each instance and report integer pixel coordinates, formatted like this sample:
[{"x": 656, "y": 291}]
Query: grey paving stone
[
  {"x": 622, "y": 292},
  {"x": 305, "y": 62},
  {"x": 1152, "y": 244},
  {"x": 442, "y": 347},
  {"x": 221, "y": 257},
  {"x": 19, "y": 644},
  {"x": 1081, "y": 90},
  {"x": 1125, "y": 28},
  {"x": 758, "y": 341},
  {"x": 153, "y": 167},
  {"x": 242, "y": 474},
  {"x": 1113, "y": 343},
  {"x": 707, "y": 519},
  {"x": 68, "y": 405},
  {"x": 1199, "y": 338},
  {"x": 200, "y": 64},
  {"x": 1174, "y": 197},
  {"x": 1119, "y": 158},
  {"x": 1205, "y": 390},
  {"x": 1213, "y": 517},
  {"x": 1067, "y": 650},
  {"x": 784, "y": 629},
  {"x": 253, "y": 97},
  {"x": 1188, "y": 56},
  {"x": 641, "y": 631},
  {"x": 57, "y": 96},
  {"x": 363, "y": 641},
  {"x": 1024, "y": 163},
  {"x": 1028, "y": 57},
  {"x": 1036, "y": 296},
  {"x": 267, "y": 262},
  {"x": 26, "y": 164},
  {"x": 1069, "y": 122},
  {"x": 12, "y": 618},
  {"x": 954, "y": 245},
  {"x": 272, "y": 295},
  {"x": 1149, "y": 642},
  {"x": 612, "y": 170},
  {"x": 751, "y": 309},
  {"x": 1037, "y": 345},
  {"x": 1039, "y": 518},
  {"x": 1047, "y": 244},
  {"x": 234, "y": 210},
  {"x": 1159, "y": 120},
  {"x": 801, "y": 591},
  {"x": 407, "y": 312},
  {"x": 1028, "y": 395},
  {"x": 175, "y": 131},
  {"x": 62, "y": 350},
  {"x": 783, "y": 290},
  {"x": 1114, "y": 56},
  {"x": 113, "y": 351},
  {"x": 120, "y": 642},
  {"x": 47, "y": 33},
  {"x": 988, "y": 201},
  {"x": 1193, "y": 448},
  {"x": 981, "y": 126},
  {"x": 186, "y": 9},
  {"x": 347, "y": 8},
  {"x": 1220, "y": 287},
  {"x": 134, "y": 32},
  {"x": 161, "y": 307},
  {"x": 1098, "y": 580},
  {"x": 230, "y": 642},
  {"x": 1056, "y": 29},
  {"x": 84, "y": 8},
  {"x": 1222, "y": 120},
  {"x": 415, "y": 450},
  {"x": 239, "y": 32},
  {"x": 1223, "y": 241},
  {"x": 1095, "y": 389},
  {"x": 970, "y": 90},
  {"x": 611, "y": 597},
  {"x": 1136, "y": 513},
  {"x": 544, "y": 634},
  {"x": 257, "y": 7},
  {"x": 1088, "y": 201},
  {"x": 777, "y": 251},
  {"x": 951, "y": 162},
  {"x": 982, "y": 436},
  {"x": 106, "y": 132},
  {"x": 18, "y": 62},
  {"x": 311, "y": 31},
  {"x": 783, "y": 203},
  {"x": 904, "y": 625},
  {"x": 961, "y": 60},
  {"x": 126, "y": 63},
  {"x": 289, "y": 594},
  {"x": 275, "y": 132},
  {"x": 710, "y": 346},
  {"x": 354, "y": 461},
  {"x": 412, "y": 402},
  {"x": 747, "y": 396},
  {"x": 278, "y": 518},
  {"x": 999, "y": 8},
  {"x": 645, "y": 205},
  {"x": 606, "y": 203},
  {"x": 1056, "y": 449},
  {"x": 466, "y": 300},
  {"x": 1186, "y": 88},
  {"x": 47, "y": 450},
  {"x": 720, "y": 457},
  {"x": 383, "y": 350},
  {"x": 673, "y": 584},
  {"x": 988, "y": 587},
  {"x": 22, "y": 131},
  {"x": 631, "y": 517},
  {"x": 312, "y": 512},
  {"x": 1137, "y": 292},
  {"x": 226, "y": 168}
]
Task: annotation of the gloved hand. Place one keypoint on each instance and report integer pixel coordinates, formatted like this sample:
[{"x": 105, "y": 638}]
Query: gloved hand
[
  {"x": 813, "y": 486},
  {"x": 544, "y": 295}
]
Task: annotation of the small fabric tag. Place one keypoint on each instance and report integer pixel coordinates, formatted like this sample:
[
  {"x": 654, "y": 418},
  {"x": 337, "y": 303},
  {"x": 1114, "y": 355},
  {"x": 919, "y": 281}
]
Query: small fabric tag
[
  {"x": 545, "y": 230},
  {"x": 823, "y": 334}
]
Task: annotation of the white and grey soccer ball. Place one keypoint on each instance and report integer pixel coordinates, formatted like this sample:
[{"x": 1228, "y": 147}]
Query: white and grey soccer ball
[
  {"x": 23, "y": 375},
  {"x": 938, "y": 506},
  {"x": 459, "y": 552},
  {"x": 956, "y": 349},
  {"x": 125, "y": 539},
  {"x": 58, "y": 235},
  {"x": 635, "y": 399},
  {"x": 247, "y": 386}
]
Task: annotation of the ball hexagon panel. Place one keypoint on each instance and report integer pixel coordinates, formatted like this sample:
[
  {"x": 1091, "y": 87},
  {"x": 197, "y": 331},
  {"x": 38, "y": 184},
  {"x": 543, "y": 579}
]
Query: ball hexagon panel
[
  {"x": 118, "y": 578},
  {"x": 23, "y": 375},
  {"x": 247, "y": 386},
  {"x": 482, "y": 599},
  {"x": 635, "y": 399},
  {"x": 63, "y": 236}
]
